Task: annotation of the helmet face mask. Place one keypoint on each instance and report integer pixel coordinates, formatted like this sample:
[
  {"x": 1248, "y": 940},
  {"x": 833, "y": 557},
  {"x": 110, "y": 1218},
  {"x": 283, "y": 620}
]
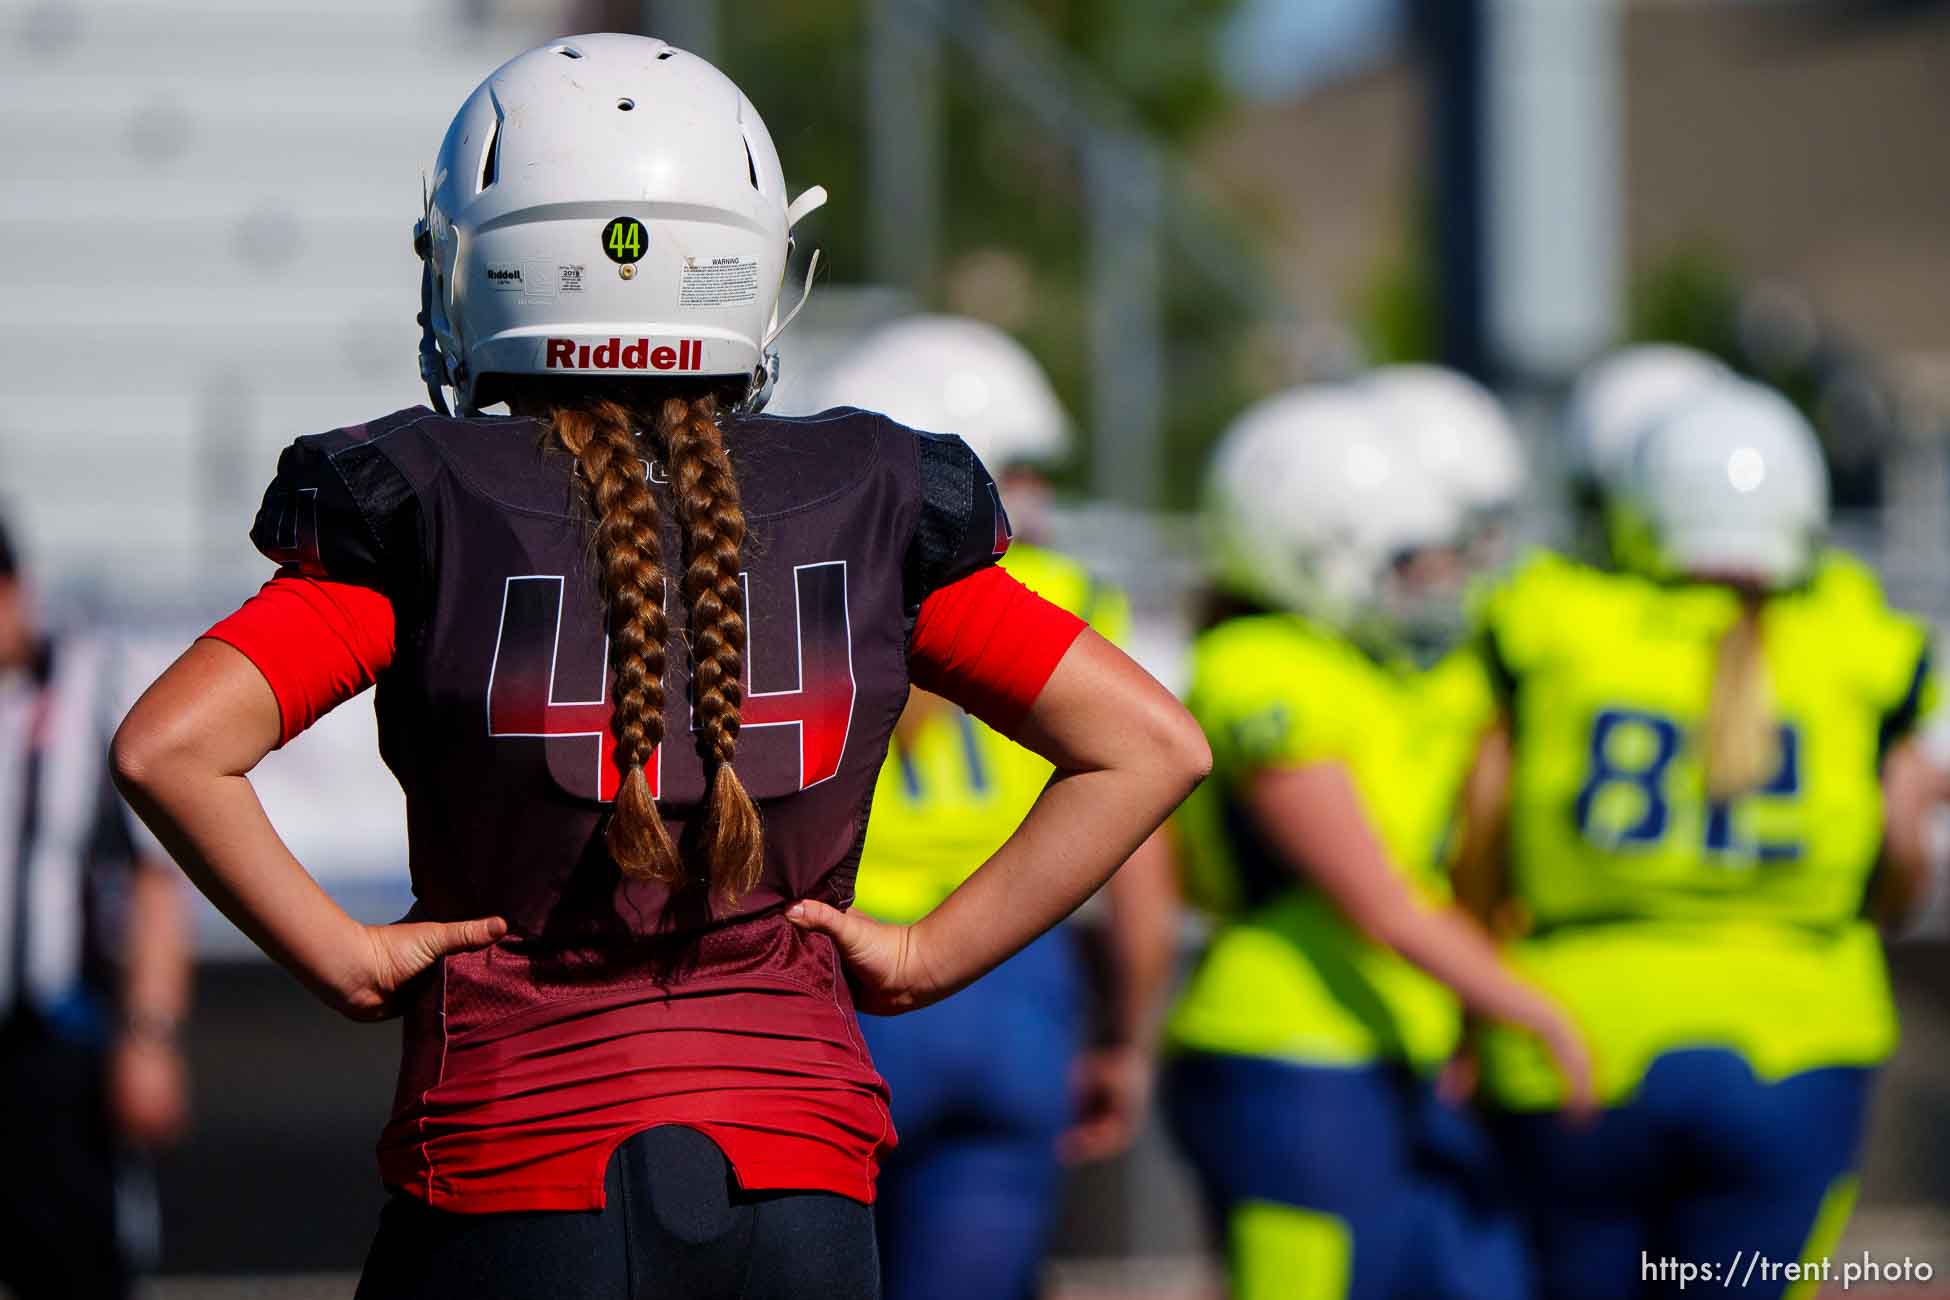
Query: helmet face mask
[
  {"x": 1489, "y": 541},
  {"x": 1422, "y": 596},
  {"x": 604, "y": 205}
]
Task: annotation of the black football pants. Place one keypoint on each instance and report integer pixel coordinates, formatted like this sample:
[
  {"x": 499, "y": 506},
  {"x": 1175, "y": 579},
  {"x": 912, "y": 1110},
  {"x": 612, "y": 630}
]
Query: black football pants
[{"x": 674, "y": 1227}]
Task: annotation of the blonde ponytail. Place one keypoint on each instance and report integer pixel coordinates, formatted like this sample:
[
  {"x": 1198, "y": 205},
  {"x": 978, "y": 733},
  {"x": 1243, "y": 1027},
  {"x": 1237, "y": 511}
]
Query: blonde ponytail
[{"x": 1742, "y": 742}]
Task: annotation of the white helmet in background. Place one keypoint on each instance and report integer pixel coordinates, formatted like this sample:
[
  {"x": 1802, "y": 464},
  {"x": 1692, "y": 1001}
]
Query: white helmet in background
[
  {"x": 1731, "y": 484},
  {"x": 1617, "y": 397},
  {"x": 604, "y": 205},
  {"x": 1458, "y": 431},
  {"x": 1310, "y": 502},
  {"x": 951, "y": 374}
]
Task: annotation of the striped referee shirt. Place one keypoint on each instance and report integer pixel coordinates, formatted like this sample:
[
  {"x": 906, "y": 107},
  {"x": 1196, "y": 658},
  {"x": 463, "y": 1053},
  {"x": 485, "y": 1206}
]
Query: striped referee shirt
[{"x": 66, "y": 838}]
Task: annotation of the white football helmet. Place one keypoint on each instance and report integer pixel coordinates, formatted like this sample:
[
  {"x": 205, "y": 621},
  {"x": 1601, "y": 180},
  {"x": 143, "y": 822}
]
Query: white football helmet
[
  {"x": 951, "y": 374},
  {"x": 1731, "y": 484},
  {"x": 1310, "y": 503},
  {"x": 1618, "y": 396},
  {"x": 604, "y": 205},
  {"x": 1458, "y": 431}
]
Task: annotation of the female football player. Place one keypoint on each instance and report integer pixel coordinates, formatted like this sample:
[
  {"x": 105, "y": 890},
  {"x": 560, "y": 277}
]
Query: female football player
[
  {"x": 1700, "y": 768},
  {"x": 1457, "y": 430},
  {"x": 1304, "y": 1048},
  {"x": 1615, "y": 400},
  {"x": 639, "y": 651},
  {"x": 992, "y": 1089}
]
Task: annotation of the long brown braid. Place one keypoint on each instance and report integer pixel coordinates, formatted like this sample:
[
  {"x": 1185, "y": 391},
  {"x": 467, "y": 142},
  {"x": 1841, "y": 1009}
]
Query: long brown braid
[
  {"x": 602, "y": 437},
  {"x": 704, "y": 493}
]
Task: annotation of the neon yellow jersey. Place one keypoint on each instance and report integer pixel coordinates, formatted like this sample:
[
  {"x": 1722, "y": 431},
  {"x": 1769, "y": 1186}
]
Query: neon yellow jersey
[
  {"x": 1287, "y": 976},
  {"x": 952, "y": 790},
  {"x": 1659, "y": 917}
]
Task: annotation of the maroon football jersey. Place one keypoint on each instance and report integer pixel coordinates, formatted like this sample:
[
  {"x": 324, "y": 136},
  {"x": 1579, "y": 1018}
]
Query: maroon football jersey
[{"x": 495, "y": 717}]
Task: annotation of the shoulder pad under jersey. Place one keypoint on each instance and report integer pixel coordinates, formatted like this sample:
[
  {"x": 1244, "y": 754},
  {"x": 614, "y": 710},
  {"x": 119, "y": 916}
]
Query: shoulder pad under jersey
[
  {"x": 962, "y": 526},
  {"x": 339, "y": 508}
]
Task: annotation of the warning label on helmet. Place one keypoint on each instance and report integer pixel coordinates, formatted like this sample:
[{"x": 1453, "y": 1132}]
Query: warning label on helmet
[{"x": 718, "y": 282}]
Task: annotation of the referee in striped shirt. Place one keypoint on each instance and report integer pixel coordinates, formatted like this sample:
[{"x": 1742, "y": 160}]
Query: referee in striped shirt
[{"x": 94, "y": 976}]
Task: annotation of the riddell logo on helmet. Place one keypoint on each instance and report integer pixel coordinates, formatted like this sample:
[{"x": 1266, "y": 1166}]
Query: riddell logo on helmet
[{"x": 567, "y": 354}]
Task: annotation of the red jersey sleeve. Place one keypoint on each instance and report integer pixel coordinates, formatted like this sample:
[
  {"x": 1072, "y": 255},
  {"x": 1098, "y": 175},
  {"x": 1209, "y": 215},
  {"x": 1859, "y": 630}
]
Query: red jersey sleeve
[
  {"x": 989, "y": 644},
  {"x": 318, "y": 643}
]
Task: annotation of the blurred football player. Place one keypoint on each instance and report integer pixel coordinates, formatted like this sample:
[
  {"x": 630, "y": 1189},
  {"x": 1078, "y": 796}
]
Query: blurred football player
[
  {"x": 94, "y": 974},
  {"x": 1614, "y": 402},
  {"x": 1459, "y": 433},
  {"x": 1707, "y": 784},
  {"x": 992, "y": 1087},
  {"x": 1303, "y": 1053},
  {"x": 610, "y": 629}
]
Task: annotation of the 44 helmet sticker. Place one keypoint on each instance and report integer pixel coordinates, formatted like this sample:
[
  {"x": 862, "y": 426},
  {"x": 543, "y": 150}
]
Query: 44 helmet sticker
[{"x": 625, "y": 241}]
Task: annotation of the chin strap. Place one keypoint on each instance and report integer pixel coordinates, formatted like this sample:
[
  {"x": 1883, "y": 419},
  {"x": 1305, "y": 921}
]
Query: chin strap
[
  {"x": 796, "y": 211},
  {"x": 804, "y": 206},
  {"x": 805, "y": 292},
  {"x": 432, "y": 370},
  {"x": 765, "y": 376},
  {"x": 430, "y": 364}
]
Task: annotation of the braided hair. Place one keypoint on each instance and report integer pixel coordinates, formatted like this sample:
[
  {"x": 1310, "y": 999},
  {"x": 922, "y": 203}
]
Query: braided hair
[{"x": 606, "y": 437}]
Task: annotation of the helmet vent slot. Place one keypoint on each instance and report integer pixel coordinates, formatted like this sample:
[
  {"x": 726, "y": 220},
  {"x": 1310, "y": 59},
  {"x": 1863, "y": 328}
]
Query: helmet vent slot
[
  {"x": 568, "y": 51},
  {"x": 625, "y": 105},
  {"x": 751, "y": 167},
  {"x": 665, "y": 54},
  {"x": 491, "y": 156}
]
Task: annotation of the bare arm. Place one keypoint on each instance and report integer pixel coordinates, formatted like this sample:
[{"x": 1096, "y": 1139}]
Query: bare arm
[
  {"x": 1911, "y": 786},
  {"x": 156, "y": 986},
  {"x": 1478, "y": 870},
  {"x": 1313, "y": 816},
  {"x": 182, "y": 759},
  {"x": 1141, "y": 934},
  {"x": 1126, "y": 753},
  {"x": 148, "y": 1084}
]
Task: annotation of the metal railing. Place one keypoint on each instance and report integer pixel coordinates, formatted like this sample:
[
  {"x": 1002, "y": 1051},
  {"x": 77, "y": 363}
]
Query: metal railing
[{"x": 1144, "y": 206}]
